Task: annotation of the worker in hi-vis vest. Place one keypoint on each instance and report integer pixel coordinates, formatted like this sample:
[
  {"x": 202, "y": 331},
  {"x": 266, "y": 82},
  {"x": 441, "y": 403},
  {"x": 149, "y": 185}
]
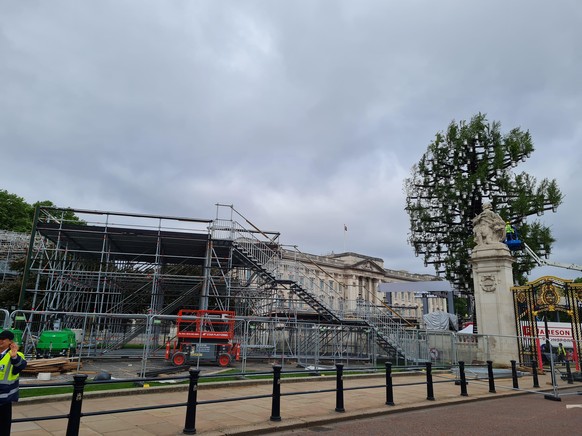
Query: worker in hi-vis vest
[
  {"x": 509, "y": 231},
  {"x": 561, "y": 352},
  {"x": 12, "y": 362}
]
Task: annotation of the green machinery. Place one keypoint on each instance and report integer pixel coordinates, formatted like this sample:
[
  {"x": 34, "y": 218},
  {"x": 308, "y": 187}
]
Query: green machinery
[{"x": 52, "y": 343}]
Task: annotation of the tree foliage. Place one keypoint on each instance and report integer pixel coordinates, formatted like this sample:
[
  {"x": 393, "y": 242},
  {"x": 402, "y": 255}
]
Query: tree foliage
[
  {"x": 465, "y": 166},
  {"x": 15, "y": 213}
]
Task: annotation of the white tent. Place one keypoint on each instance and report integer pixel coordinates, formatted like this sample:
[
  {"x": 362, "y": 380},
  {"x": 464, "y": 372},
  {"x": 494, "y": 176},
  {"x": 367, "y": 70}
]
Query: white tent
[{"x": 467, "y": 330}]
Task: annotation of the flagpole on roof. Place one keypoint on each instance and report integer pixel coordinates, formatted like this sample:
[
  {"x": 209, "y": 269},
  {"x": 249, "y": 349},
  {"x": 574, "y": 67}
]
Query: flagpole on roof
[{"x": 345, "y": 231}]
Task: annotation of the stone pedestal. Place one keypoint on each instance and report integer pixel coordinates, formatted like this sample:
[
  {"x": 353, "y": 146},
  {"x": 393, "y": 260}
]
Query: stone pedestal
[{"x": 492, "y": 279}]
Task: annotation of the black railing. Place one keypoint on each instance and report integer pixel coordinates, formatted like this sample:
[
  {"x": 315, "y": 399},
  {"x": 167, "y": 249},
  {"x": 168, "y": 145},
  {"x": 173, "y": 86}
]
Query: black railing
[{"x": 80, "y": 382}]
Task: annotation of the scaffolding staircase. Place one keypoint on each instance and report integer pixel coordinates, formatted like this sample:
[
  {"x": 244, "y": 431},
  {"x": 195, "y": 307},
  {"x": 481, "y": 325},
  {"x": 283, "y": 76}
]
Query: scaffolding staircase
[{"x": 264, "y": 257}]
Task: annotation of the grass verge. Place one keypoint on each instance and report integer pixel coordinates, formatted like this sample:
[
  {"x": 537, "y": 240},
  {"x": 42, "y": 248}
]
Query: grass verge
[{"x": 230, "y": 375}]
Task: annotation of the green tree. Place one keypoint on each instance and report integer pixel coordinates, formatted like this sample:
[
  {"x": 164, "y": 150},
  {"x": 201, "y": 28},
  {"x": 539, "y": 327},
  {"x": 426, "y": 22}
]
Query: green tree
[
  {"x": 465, "y": 166},
  {"x": 461, "y": 307},
  {"x": 15, "y": 213}
]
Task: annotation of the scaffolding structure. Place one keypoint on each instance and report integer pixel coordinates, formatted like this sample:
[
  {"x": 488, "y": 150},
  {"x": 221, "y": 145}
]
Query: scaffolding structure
[
  {"x": 113, "y": 277},
  {"x": 13, "y": 247}
]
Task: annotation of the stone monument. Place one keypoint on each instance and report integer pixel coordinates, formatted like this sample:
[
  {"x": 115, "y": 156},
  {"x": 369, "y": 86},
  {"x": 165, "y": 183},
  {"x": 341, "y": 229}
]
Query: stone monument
[{"x": 492, "y": 279}]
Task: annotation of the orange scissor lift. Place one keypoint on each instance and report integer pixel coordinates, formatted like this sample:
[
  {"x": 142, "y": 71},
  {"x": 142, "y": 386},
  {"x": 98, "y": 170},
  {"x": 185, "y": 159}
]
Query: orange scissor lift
[{"x": 207, "y": 337}]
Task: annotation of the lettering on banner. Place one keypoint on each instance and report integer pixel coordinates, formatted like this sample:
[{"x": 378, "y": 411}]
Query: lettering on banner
[{"x": 557, "y": 332}]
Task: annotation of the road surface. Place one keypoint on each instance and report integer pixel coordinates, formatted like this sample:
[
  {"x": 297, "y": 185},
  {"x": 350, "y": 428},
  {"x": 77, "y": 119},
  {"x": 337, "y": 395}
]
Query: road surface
[{"x": 529, "y": 414}]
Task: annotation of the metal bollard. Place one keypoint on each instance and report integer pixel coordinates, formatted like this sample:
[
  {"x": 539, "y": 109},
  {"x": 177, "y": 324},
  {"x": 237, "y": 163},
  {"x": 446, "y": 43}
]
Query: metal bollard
[
  {"x": 514, "y": 374},
  {"x": 490, "y": 376},
  {"x": 190, "y": 423},
  {"x": 389, "y": 387},
  {"x": 339, "y": 388},
  {"x": 569, "y": 373},
  {"x": 463, "y": 379},
  {"x": 429, "y": 386},
  {"x": 76, "y": 404},
  {"x": 534, "y": 371},
  {"x": 276, "y": 398}
]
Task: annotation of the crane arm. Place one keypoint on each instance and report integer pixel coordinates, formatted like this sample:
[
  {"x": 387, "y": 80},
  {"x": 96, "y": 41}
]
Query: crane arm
[{"x": 543, "y": 262}]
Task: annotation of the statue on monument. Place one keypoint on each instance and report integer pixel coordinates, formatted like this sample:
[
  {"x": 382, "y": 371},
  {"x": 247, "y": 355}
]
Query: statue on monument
[{"x": 488, "y": 227}]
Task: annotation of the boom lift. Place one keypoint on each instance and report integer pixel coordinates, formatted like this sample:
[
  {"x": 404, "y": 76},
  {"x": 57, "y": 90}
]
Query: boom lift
[
  {"x": 516, "y": 244},
  {"x": 208, "y": 336}
]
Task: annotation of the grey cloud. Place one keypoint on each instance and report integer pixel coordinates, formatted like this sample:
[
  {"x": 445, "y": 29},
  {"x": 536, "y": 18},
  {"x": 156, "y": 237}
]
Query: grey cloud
[{"x": 306, "y": 115}]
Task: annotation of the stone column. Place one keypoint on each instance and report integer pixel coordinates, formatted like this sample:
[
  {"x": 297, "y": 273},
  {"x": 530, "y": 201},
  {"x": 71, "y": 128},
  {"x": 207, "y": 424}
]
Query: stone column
[{"x": 492, "y": 279}]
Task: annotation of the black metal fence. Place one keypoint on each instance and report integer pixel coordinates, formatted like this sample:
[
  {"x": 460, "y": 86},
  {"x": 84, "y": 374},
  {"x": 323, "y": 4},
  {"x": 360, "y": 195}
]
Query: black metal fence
[{"x": 80, "y": 382}]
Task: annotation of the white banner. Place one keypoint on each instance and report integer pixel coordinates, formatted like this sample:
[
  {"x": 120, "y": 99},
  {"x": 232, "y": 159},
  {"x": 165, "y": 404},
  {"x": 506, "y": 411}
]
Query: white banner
[{"x": 557, "y": 332}]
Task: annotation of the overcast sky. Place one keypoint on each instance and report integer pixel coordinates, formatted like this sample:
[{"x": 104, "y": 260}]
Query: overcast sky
[{"x": 304, "y": 114}]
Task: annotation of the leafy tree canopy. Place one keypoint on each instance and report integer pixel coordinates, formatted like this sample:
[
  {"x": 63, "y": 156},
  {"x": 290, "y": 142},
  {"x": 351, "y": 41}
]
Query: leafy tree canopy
[
  {"x": 465, "y": 166},
  {"x": 15, "y": 213}
]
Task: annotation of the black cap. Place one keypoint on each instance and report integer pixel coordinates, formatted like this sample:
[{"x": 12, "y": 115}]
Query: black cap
[{"x": 7, "y": 334}]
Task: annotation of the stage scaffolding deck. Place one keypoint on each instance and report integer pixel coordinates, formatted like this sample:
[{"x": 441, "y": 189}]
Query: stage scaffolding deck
[{"x": 110, "y": 275}]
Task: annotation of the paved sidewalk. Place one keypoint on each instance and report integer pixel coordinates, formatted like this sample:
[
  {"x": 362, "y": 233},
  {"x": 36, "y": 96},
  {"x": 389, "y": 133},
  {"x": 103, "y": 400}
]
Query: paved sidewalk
[{"x": 253, "y": 416}]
